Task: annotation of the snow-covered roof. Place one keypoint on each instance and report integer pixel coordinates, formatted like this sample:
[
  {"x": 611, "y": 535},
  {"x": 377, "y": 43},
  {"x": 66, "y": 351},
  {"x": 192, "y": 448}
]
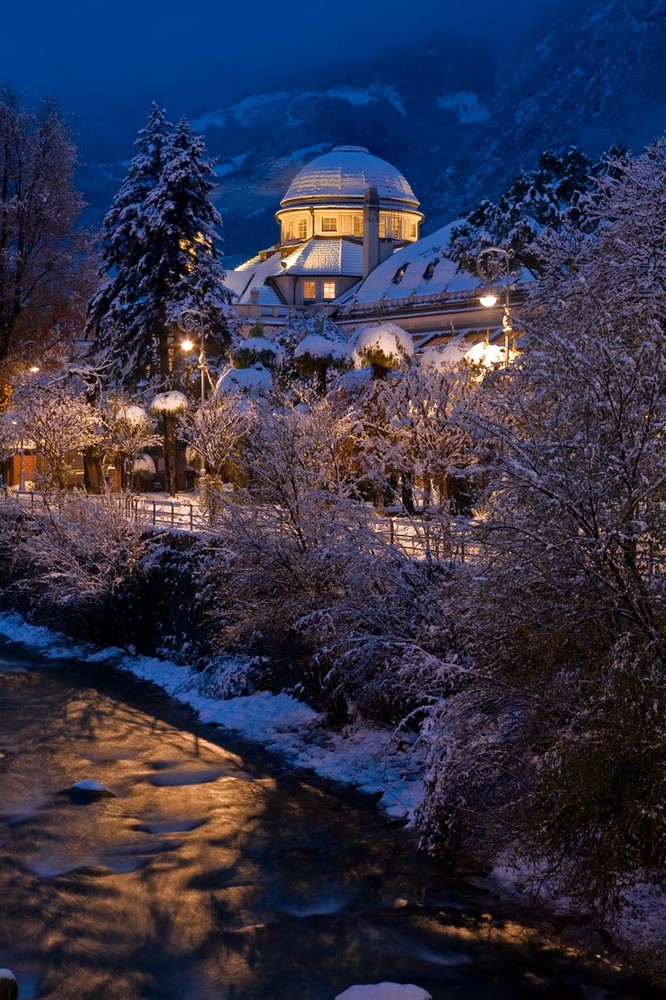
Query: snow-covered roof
[
  {"x": 325, "y": 256},
  {"x": 419, "y": 269},
  {"x": 321, "y": 256},
  {"x": 346, "y": 172},
  {"x": 251, "y": 277}
]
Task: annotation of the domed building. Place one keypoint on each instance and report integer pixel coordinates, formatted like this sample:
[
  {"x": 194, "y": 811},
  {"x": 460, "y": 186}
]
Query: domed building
[
  {"x": 342, "y": 215},
  {"x": 350, "y": 245},
  {"x": 328, "y": 198}
]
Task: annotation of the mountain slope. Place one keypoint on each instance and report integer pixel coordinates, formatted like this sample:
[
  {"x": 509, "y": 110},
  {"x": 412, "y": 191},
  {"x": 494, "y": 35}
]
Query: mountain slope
[{"x": 457, "y": 125}]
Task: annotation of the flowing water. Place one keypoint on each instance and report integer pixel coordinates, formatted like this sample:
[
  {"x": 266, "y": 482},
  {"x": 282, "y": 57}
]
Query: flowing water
[{"x": 215, "y": 872}]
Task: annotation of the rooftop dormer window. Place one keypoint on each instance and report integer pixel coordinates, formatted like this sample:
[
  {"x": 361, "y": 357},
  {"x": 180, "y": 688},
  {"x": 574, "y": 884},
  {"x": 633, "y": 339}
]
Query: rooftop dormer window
[
  {"x": 399, "y": 274},
  {"x": 430, "y": 269}
]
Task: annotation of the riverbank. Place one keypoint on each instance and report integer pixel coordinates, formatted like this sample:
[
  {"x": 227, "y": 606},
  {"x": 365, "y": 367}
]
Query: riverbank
[{"x": 377, "y": 762}]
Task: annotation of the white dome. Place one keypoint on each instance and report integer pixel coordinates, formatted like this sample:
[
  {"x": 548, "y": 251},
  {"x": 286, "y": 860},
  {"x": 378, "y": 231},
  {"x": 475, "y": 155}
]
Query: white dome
[{"x": 347, "y": 172}]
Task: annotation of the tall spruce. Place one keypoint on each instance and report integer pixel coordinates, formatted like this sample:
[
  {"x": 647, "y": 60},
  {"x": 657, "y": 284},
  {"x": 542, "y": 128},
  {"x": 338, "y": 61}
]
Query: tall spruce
[{"x": 160, "y": 259}]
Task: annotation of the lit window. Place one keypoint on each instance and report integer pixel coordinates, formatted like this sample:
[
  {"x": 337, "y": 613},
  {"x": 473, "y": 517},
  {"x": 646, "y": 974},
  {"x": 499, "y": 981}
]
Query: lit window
[
  {"x": 346, "y": 223},
  {"x": 329, "y": 224},
  {"x": 412, "y": 230},
  {"x": 358, "y": 225},
  {"x": 289, "y": 231},
  {"x": 393, "y": 226},
  {"x": 329, "y": 290},
  {"x": 382, "y": 228},
  {"x": 302, "y": 229},
  {"x": 309, "y": 290}
]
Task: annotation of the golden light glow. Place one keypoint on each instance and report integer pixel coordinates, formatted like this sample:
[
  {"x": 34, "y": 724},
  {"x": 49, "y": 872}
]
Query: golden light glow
[
  {"x": 488, "y": 300},
  {"x": 187, "y": 345}
]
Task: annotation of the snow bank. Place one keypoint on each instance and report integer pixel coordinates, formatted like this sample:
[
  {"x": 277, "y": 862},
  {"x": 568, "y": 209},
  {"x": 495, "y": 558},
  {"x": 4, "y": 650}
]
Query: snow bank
[{"x": 371, "y": 759}]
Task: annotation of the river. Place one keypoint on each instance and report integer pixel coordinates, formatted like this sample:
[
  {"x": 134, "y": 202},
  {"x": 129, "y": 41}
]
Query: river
[{"x": 215, "y": 873}]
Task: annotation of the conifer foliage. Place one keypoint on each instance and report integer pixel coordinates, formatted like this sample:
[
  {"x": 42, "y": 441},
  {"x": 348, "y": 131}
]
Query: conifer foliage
[
  {"x": 161, "y": 239},
  {"x": 559, "y": 193}
]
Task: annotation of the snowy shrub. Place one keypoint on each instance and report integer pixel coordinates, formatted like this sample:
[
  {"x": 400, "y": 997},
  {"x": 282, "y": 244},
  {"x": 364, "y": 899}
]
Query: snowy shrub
[
  {"x": 232, "y": 676},
  {"x": 257, "y": 350},
  {"x": 389, "y": 648},
  {"x": 73, "y": 558},
  {"x": 382, "y": 347},
  {"x": 307, "y": 580}
]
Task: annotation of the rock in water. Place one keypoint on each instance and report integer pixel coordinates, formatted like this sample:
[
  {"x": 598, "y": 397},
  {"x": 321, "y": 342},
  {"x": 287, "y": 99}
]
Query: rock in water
[
  {"x": 8, "y": 985},
  {"x": 88, "y": 791},
  {"x": 384, "y": 991}
]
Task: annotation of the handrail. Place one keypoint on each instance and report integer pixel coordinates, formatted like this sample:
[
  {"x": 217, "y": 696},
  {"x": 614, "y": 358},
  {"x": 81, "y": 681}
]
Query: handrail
[{"x": 415, "y": 536}]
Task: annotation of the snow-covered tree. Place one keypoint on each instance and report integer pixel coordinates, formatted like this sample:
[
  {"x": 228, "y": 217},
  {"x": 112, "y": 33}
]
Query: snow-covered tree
[
  {"x": 313, "y": 345},
  {"x": 169, "y": 407},
  {"x": 561, "y": 742},
  {"x": 555, "y": 195},
  {"x": 161, "y": 240},
  {"x": 215, "y": 432},
  {"x": 383, "y": 347},
  {"x": 39, "y": 259},
  {"x": 128, "y": 431},
  {"x": 429, "y": 439},
  {"x": 59, "y": 421}
]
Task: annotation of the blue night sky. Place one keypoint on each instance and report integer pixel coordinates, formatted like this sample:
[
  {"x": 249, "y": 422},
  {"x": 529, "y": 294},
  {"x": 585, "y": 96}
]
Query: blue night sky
[{"x": 88, "y": 53}]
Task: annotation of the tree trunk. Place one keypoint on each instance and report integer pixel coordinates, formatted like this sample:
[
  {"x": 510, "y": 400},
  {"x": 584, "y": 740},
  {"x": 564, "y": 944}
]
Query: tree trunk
[
  {"x": 444, "y": 494},
  {"x": 169, "y": 431},
  {"x": 407, "y": 493},
  {"x": 93, "y": 475}
]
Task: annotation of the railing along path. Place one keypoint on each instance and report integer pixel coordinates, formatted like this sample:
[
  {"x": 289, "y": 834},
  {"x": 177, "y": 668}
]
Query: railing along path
[{"x": 417, "y": 537}]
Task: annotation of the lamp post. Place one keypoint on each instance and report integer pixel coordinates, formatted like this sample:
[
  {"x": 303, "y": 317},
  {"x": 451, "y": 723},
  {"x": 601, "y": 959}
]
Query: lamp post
[
  {"x": 190, "y": 321},
  {"x": 492, "y": 265}
]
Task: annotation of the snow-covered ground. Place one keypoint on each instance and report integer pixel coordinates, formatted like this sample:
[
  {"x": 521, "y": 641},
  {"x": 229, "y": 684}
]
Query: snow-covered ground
[{"x": 373, "y": 760}]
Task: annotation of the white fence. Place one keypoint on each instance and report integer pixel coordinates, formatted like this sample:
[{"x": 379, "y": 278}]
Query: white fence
[{"x": 418, "y": 537}]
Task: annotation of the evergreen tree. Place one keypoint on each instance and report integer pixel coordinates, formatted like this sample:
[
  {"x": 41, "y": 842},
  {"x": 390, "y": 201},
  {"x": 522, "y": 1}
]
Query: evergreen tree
[
  {"x": 161, "y": 236},
  {"x": 117, "y": 320},
  {"x": 560, "y": 192}
]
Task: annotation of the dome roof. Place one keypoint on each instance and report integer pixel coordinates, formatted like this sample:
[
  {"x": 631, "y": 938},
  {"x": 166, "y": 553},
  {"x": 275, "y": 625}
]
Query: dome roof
[{"x": 346, "y": 172}]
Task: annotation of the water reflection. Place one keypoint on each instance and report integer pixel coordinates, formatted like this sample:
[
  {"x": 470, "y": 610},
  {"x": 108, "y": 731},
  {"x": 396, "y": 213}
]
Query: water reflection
[{"x": 212, "y": 874}]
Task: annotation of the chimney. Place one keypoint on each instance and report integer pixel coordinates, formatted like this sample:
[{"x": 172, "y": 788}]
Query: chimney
[{"x": 370, "y": 230}]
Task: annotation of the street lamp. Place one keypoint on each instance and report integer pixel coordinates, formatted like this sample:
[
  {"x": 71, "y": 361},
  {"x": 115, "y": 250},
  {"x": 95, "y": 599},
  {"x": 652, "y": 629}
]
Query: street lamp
[
  {"x": 190, "y": 321},
  {"x": 493, "y": 264}
]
